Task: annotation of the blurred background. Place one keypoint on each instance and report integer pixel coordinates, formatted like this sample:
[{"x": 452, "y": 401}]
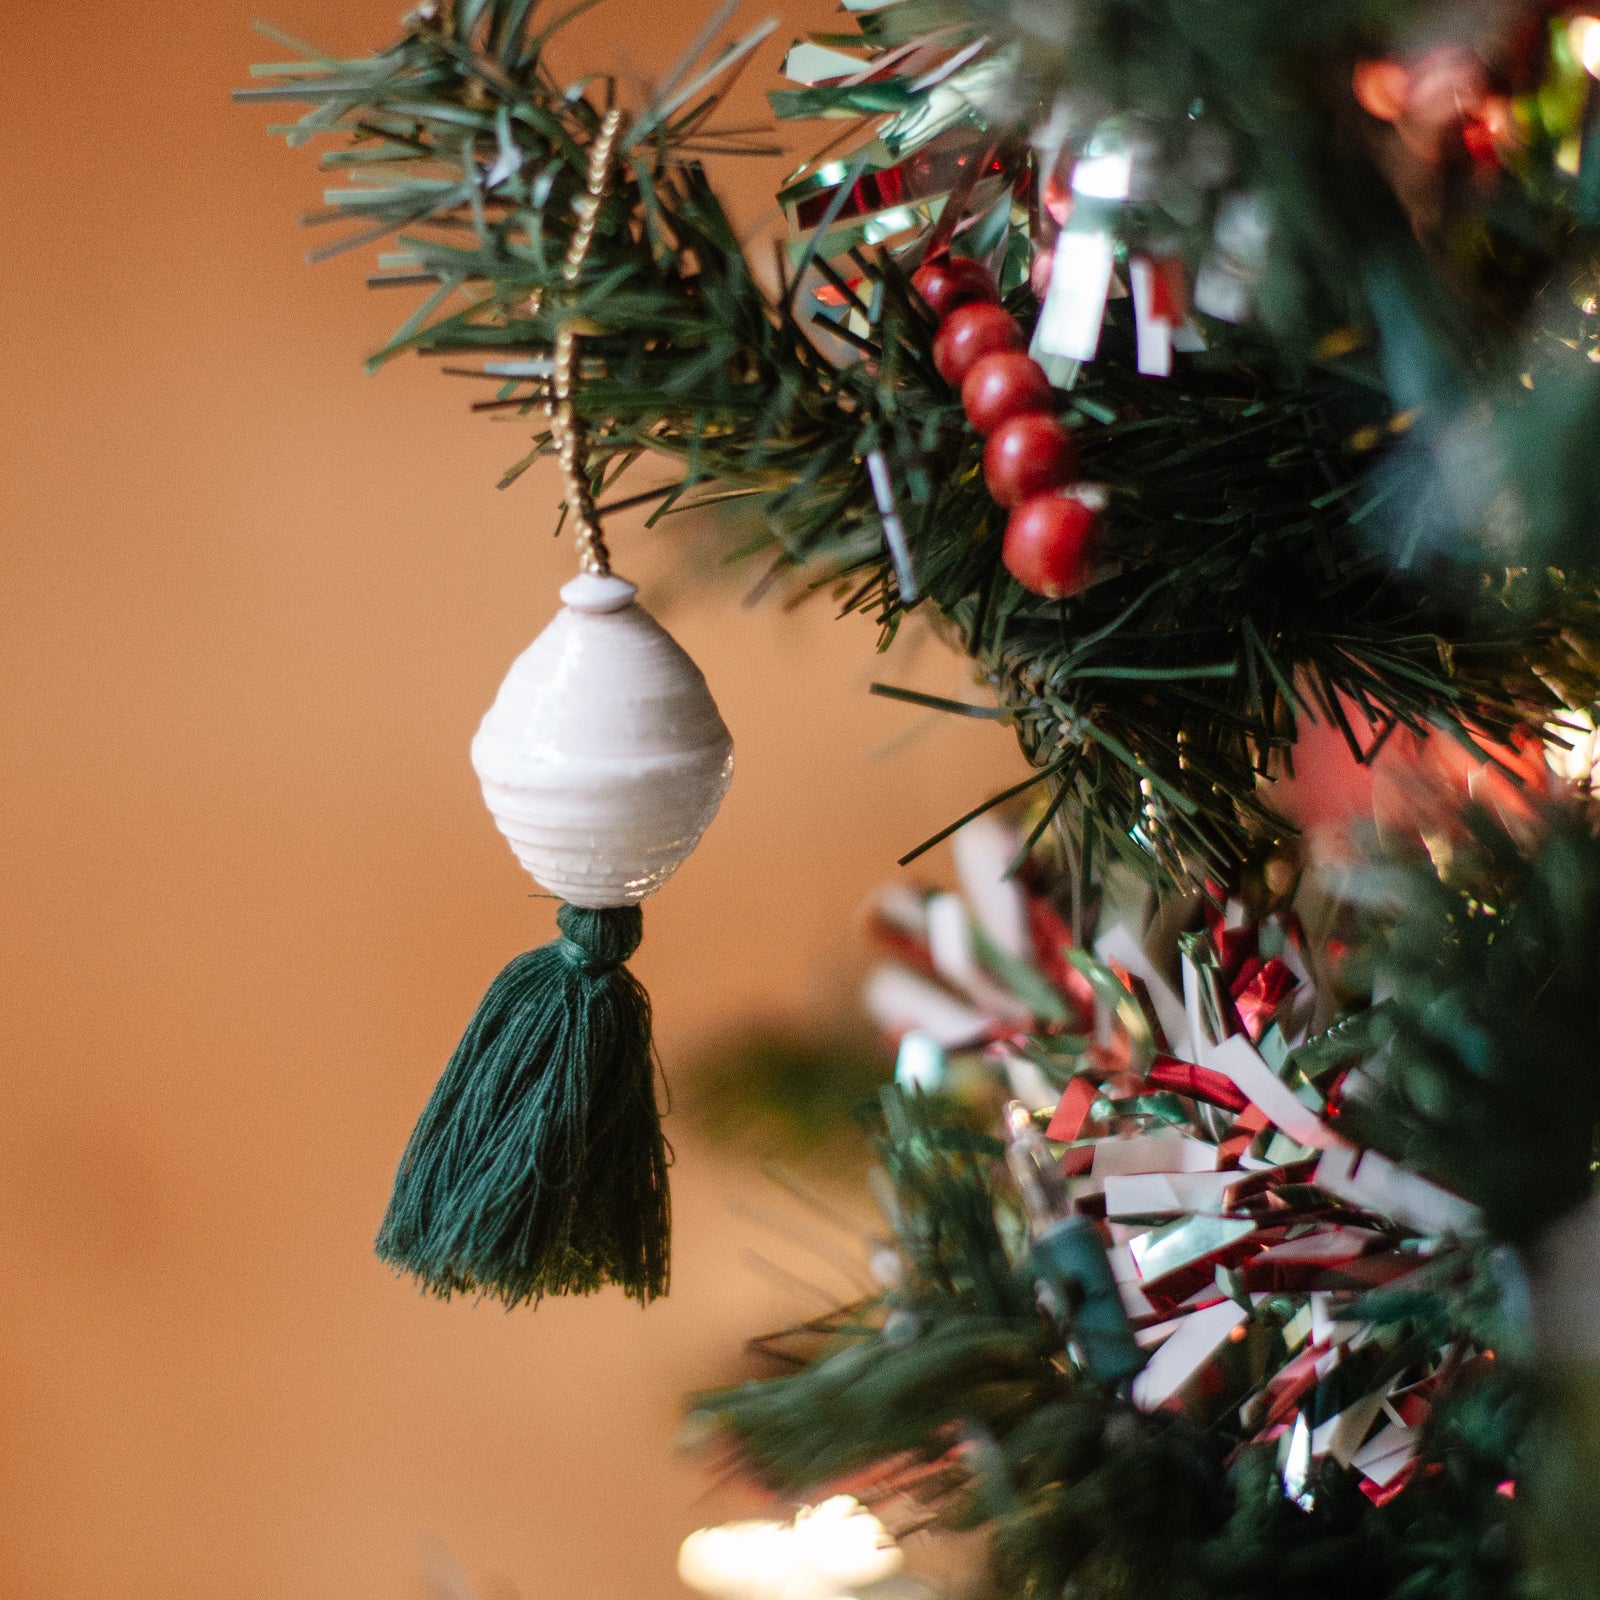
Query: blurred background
[{"x": 254, "y": 605}]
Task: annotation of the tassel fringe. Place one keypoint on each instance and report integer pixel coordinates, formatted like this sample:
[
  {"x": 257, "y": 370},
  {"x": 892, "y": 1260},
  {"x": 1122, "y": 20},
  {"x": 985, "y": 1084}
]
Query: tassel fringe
[{"x": 539, "y": 1166}]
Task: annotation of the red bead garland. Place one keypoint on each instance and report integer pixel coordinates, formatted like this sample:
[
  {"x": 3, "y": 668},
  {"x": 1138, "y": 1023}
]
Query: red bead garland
[{"x": 1052, "y": 532}]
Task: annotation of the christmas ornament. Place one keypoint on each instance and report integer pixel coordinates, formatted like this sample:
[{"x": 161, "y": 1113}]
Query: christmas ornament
[
  {"x": 538, "y": 1166},
  {"x": 1050, "y": 543},
  {"x": 603, "y": 758}
]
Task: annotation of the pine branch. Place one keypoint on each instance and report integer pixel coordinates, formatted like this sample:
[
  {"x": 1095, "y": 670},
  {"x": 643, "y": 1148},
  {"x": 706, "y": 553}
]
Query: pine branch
[
  {"x": 1250, "y": 579},
  {"x": 1488, "y": 1078}
]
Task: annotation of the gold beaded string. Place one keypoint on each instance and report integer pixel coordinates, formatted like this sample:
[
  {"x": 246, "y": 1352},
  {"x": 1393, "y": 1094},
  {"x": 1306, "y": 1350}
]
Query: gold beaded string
[{"x": 572, "y": 444}]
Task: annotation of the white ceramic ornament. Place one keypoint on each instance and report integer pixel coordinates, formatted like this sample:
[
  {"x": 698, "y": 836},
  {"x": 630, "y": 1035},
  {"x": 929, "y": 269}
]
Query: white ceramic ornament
[{"x": 603, "y": 758}]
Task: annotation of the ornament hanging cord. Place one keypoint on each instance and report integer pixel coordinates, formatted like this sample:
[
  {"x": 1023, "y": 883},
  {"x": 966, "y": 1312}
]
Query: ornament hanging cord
[{"x": 571, "y": 436}]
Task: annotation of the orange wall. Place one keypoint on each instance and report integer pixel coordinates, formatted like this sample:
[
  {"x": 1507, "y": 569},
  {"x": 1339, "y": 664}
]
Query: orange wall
[{"x": 254, "y": 603}]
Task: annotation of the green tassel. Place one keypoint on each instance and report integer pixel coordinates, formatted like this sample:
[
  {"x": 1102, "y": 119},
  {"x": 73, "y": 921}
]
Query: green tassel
[{"x": 539, "y": 1165}]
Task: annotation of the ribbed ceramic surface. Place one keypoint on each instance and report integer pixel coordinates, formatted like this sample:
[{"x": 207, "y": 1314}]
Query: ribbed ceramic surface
[{"x": 603, "y": 758}]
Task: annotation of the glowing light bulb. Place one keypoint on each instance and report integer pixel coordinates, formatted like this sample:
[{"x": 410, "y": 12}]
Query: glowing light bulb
[
  {"x": 1574, "y": 752},
  {"x": 845, "y": 1544},
  {"x": 1584, "y": 32},
  {"x": 1381, "y": 89},
  {"x": 826, "y": 1553}
]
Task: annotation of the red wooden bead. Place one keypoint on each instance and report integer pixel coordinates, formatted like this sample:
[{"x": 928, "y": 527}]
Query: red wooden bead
[
  {"x": 1028, "y": 455},
  {"x": 969, "y": 334},
  {"x": 1050, "y": 544},
  {"x": 1004, "y": 385},
  {"x": 951, "y": 282}
]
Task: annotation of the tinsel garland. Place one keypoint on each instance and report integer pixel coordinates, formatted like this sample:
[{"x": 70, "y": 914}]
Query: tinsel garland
[{"x": 1338, "y": 1381}]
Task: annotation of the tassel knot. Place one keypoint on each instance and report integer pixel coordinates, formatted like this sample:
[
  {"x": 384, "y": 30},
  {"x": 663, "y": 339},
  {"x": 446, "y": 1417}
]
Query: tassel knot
[{"x": 599, "y": 941}]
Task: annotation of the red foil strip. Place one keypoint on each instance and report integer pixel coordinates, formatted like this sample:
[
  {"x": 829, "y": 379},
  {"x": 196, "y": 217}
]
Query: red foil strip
[
  {"x": 1072, "y": 1112},
  {"x": 1199, "y": 1083},
  {"x": 1052, "y": 939},
  {"x": 929, "y": 172},
  {"x": 1254, "y": 1184},
  {"x": 901, "y": 943},
  {"x": 1235, "y": 946},
  {"x": 1258, "y": 991},
  {"x": 1382, "y": 1494},
  {"x": 1288, "y": 1385},
  {"x": 1251, "y": 1121}
]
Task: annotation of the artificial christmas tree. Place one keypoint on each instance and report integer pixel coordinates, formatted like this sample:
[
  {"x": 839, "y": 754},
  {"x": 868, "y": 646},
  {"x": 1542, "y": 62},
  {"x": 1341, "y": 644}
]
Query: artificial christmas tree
[{"x": 1205, "y": 371}]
